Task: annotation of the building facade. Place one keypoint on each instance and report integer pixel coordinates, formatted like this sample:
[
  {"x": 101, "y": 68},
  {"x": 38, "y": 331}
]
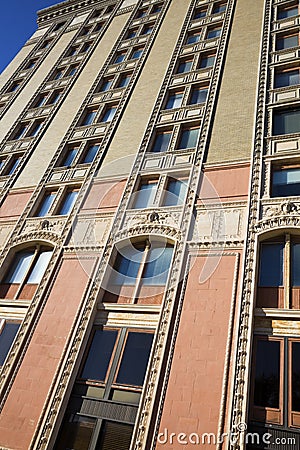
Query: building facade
[{"x": 149, "y": 227}]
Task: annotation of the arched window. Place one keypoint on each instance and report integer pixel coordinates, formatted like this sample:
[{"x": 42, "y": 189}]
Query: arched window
[
  {"x": 139, "y": 271},
  {"x": 25, "y": 272},
  {"x": 279, "y": 273}
]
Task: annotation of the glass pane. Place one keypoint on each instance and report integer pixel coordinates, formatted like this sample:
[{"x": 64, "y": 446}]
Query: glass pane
[
  {"x": 198, "y": 96},
  {"x": 145, "y": 195},
  {"x": 68, "y": 202},
  {"x": 20, "y": 266},
  {"x": 99, "y": 355},
  {"x": 15, "y": 164},
  {"x": 136, "y": 54},
  {"x": 199, "y": 14},
  {"x": 124, "y": 81},
  {"x": 70, "y": 156},
  {"x": 287, "y": 42},
  {"x": 175, "y": 194},
  {"x": 296, "y": 376},
  {"x": 207, "y": 61},
  {"x": 271, "y": 265},
  {"x": 296, "y": 265},
  {"x": 119, "y": 58},
  {"x": 127, "y": 265},
  {"x": 91, "y": 153},
  {"x": 267, "y": 374},
  {"x": 108, "y": 115},
  {"x": 289, "y": 78},
  {"x": 288, "y": 12},
  {"x": 158, "y": 264},
  {"x": 287, "y": 122},
  {"x": 106, "y": 85},
  {"x": 114, "y": 436},
  {"x": 189, "y": 138},
  {"x": 286, "y": 182},
  {"x": 89, "y": 118},
  {"x": 174, "y": 101},
  {"x": 39, "y": 267},
  {"x": 161, "y": 143},
  {"x": 135, "y": 358},
  {"x": 193, "y": 38},
  {"x": 36, "y": 128},
  {"x": 185, "y": 66},
  {"x": 76, "y": 433},
  {"x": 46, "y": 204},
  {"x": 7, "y": 337},
  {"x": 213, "y": 33}
]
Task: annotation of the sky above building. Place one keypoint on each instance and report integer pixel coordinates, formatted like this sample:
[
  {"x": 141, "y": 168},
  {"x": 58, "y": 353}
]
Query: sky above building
[{"x": 18, "y": 23}]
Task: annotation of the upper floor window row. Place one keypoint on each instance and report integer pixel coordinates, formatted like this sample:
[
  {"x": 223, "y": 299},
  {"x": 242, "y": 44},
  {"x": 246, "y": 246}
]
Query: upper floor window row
[
  {"x": 186, "y": 138},
  {"x": 78, "y": 154},
  {"x": 139, "y": 31},
  {"x": 57, "y": 203},
  {"x": 114, "y": 82},
  {"x": 216, "y": 8},
  {"x": 287, "y": 41},
  {"x": 96, "y": 115},
  {"x": 27, "y": 129},
  {"x": 210, "y": 33},
  {"x": 64, "y": 71},
  {"x": 196, "y": 95},
  {"x": 205, "y": 61},
  {"x": 145, "y": 11},
  {"x": 132, "y": 53},
  {"x": 284, "y": 12}
]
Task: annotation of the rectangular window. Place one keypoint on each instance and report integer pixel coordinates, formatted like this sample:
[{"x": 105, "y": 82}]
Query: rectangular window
[
  {"x": 126, "y": 268},
  {"x": 158, "y": 264},
  {"x": 156, "y": 9},
  {"x": 286, "y": 122},
  {"x": 68, "y": 203},
  {"x": 90, "y": 154},
  {"x": 131, "y": 33},
  {"x": 135, "y": 358},
  {"x": 54, "y": 98},
  {"x": 188, "y": 138},
  {"x": 14, "y": 87},
  {"x": 175, "y": 193},
  {"x": 34, "y": 130},
  {"x": 193, "y": 38},
  {"x": 137, "y": 53},
  {"x": 21, "y": 131},
  {"x": 287, "y": 78},
  {"x": 219, "y": 8},
  {"x": 174, "y": 100},
  {"x": 124, "y": 80},
  {"x": 271, "y": 265},
  {"x": 70, "y": 156},
  {"x": 19, "y": 267},
  {"x": 213, "y": 33},
  {"x": 284, "y": 42},
  {"x": 284, "y": 13},
  {"x": 41, "y": 100},
  {"x": 198, "y": 95},
  {"x": 72, "y": 70},
  {"x": 286, "y": 182},
  {"x": 58, "y": 74},
  {"x": 199, "y": 13},
  {"x": 295, "y": 254},
  {"x": 185, "y": 66},
  {"x": 40, "y": 267},
  {"x": 106, "y": 84},
  {"x": 147, "y": 29},
  {"x": 109, "y": 114},
  {"x": 144, "y": 197},
  {"x": 46, "y": 204},
  {"x": 13, "y": 164},
  {"x": 99, "y": 355},
  {"x": 267, "y": 374},
  {"x": 114, "y": 435},
  {"x": 8, "y": 331},
  {"x": 161, "y": 142},
  {"x": 207, "y": 61},
  {"x": 89, "y": 117},
  {"x": 119, "y": 57}
]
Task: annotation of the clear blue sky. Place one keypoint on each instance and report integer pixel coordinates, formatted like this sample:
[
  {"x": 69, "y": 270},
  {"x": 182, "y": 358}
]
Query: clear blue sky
[{"x": 18, "y": 23}]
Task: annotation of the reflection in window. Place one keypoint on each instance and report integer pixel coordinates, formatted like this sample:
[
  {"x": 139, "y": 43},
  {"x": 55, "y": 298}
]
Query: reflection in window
[
  {"x": 91, "y": 153},
  {"x": 175, "y": 193},
  {"x": 46, "y": 204},
  {"x": 284, "y": 42},
  {"x": 284, "y": 13},
  {"x": 8, "y": 331},
  {"x": 207, "y": 61},
  {"x": 109, "y": 114},
  {"x": 286, "y": 121},
  {"x": 271, "y": 264},
  {"x": 199, "y": 95},
  {"x": 174, "y": 100},
  {"x": 188, "y": 138},
  {"x": 185, "y": 66},
  {"x": 161, "y": 142},
  {"x": 287, "y": 78},
  {"x": 68, "y": 202},
  {"x": 144, "y": 197},
  {"x": 286, "y": 182},
  {"x": 70, "y": 156}
]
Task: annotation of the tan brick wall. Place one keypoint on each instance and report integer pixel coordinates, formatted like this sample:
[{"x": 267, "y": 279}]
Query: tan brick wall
[{"x": 232, "y": 132}]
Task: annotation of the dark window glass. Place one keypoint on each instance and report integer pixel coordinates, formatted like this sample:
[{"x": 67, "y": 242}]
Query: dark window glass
[
  {"x": 119, "y": 58},
  {"x": 267, "y": 374},
  {"x": 188, "y": 138},
  {"x": 105, "y": 86},
  {"x": 296, "y": 376},
  {"x": 296, "y": 265},
  {"x": 199, "y": 13},
  {"x": 21, "y": 131},
  {"x": 175, "y": 193},
  {"x": 108, "y": 114},
  {"x": 70, "y": 155},
  {"x": 114, "y": 436},
  {"x": 287, "y": 12},
  {"x": 76, "y": 433},
  {"x": 286, "y": 122},
  {"x": 13, "y": 165},
  {"x": 286, "y": 182},
  {"x": 184, "y": 66},
  {"x": 218, "y": 9},
  {"x": 35, "y": 129},
  {"x": 287, "y": 42},
  {"x": 68, "y": 203},
  {"x": 198, "y": 96},
  {"x": 271, "y": 265},
  {"x": 193, "y": 38},
  {"x": 90, "y": 154},
  {"x": 174, "y": 100},
  {"x": 46, "y": 204},
  {"x": 127, "y": 265},
  {"x": 137, "y": 53},
  {"x": 89, "y": 117},
  {"x": 289, "y": 78},
  {"x": 99, "y": 355},
  {"x": 213, "y": 33},
  {"x": 124, "y": 80},
  {"x": 162, "y": 141},
  {"x": 207, "y": 61},
  {"x": 7, "y": 336},
  {"x": 55, "y": 97},
  {"x": 157, "y": 265},
  {"x": 135, "y": 359}
]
